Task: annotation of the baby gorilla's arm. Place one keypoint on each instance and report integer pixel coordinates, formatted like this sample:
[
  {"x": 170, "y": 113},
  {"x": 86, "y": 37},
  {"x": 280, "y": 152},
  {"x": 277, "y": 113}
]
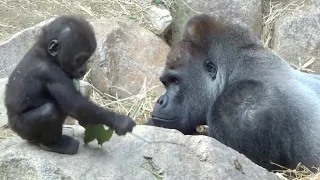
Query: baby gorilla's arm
[{"x": 79, "y": 107}]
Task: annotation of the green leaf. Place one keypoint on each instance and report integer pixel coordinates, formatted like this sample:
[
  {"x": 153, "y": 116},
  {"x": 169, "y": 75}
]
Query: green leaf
[
  {"x": 158, "y": 2},
  {"x": 98, "y": 132},
  {"x": 89, "y": 134},
  {"x": 104, "y": 136}
]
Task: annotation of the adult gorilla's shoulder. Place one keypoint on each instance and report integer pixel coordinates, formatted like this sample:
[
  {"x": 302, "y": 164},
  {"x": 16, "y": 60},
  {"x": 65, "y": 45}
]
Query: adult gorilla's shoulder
[{"x": 252, "y": 100}]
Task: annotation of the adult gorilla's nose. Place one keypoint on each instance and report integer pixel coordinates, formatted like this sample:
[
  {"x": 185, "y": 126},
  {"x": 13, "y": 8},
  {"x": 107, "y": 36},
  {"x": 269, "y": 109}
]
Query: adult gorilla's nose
[{"x": 163, "y": 100}]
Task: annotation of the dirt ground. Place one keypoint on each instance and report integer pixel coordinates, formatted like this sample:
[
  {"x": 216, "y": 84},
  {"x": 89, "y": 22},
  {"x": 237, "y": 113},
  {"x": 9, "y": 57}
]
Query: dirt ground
[{"x": 17, "y": 15}]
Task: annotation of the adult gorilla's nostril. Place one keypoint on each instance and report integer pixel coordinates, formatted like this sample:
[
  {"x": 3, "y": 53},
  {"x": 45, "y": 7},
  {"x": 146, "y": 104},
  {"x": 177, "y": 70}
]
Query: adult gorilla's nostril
[{"x": 163, "y": 101}]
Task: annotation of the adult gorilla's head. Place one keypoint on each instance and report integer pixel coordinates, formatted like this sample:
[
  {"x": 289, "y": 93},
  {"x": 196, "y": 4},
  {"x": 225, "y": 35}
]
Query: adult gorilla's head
[
  {"x": 196, "y": 71},
  {"x": 70, "y": 41}
]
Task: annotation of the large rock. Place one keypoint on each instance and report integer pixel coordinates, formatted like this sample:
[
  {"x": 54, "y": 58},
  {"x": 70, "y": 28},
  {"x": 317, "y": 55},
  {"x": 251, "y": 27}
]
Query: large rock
[
  {"x": 296, "y": 35},
  {"x": 13, "y": 50},
  {"x": 3, "y": 111},
  {"x": 127, "y": 54},
  {"x": 249, "y": 12},
  {"x": 172, "y": 154}
]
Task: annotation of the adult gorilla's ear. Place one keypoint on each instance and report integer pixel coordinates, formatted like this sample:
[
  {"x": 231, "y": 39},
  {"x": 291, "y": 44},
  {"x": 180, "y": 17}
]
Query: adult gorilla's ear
[
  {"x": 200, "y": 28},
  {"x": 53, "y": 47}
]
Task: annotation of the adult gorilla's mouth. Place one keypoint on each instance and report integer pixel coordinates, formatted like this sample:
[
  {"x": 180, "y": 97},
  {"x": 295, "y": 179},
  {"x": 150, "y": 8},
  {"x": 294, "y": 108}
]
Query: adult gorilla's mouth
[{"x": 154, "y": 118}]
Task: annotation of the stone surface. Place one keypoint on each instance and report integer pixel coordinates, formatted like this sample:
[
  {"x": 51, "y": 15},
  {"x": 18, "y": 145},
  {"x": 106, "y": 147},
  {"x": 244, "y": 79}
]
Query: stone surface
[
  {"x": 296, "y": 35},
  {"x": 127, "y": 54},
  {"x": 159, "y": 17},
  {"x": 249, "y": 12},
  {"x": 3, "y": 111},
  {"x": 13, "y": 50},
  {"x": 174, "y": 155}
]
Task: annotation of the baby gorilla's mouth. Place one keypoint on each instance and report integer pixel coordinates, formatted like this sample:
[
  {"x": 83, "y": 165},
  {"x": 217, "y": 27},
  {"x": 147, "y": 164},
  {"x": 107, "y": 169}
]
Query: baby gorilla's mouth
[{"x": 154, "y": 118}]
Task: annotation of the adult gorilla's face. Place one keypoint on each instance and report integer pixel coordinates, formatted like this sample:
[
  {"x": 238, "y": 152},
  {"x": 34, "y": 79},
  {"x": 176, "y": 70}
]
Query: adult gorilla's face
[{"x": 190, "y": 81}]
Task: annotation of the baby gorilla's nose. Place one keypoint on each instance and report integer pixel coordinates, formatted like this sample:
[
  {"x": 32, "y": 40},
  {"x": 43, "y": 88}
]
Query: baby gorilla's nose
[{"x": 82, "y": 72}]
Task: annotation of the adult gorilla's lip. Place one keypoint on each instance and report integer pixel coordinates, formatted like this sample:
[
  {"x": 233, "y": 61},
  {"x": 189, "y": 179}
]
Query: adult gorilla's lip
[{"x": 162, "y": 119}]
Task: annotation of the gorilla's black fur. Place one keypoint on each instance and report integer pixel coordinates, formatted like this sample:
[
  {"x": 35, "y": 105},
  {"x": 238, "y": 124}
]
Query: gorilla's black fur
[
  {"x": 219, "y": 74},
  {"x": 40, "y": 91}
]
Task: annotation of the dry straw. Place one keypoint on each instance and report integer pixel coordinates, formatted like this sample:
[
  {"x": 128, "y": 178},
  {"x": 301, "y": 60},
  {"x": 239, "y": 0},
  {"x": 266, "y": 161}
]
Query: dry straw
[
  {"x": 138, "y": 106},
  {"x": 300, "y": 173}
]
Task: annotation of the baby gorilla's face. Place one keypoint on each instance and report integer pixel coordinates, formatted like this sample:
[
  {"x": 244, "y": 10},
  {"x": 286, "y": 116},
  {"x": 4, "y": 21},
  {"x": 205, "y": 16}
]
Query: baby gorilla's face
[
  {"x": 79, "y": 65},
  {"x": 71, "y": 45},
  {"x": 74, "y": 66}
]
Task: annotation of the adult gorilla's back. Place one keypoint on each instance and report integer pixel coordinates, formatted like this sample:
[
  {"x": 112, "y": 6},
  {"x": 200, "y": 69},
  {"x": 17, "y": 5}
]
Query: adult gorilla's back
[{"x": 251, "y": 99}]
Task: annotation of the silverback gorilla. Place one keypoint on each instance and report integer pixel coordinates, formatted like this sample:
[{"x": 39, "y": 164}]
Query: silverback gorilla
[
  {"x": 219, "y": 74},
  {"x": 40, "y": 91}
]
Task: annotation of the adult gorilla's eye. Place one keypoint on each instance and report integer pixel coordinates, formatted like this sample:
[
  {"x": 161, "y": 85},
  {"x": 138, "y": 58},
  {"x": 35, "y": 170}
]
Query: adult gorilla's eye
[
  {"x": 174, "y": 80},
  {"x": 169, "y": 80},
  {"x": 211, "y": 68}
]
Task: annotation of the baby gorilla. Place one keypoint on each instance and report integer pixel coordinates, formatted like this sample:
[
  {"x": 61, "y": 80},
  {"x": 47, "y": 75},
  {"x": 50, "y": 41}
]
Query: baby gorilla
[{"x": 40, "y": 93}]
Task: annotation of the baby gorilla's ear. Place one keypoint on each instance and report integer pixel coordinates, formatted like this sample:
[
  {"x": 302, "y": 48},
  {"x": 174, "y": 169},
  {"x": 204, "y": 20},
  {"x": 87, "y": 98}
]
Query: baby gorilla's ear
[
  {"x": 200, "y": 28},
  {"x": 53, "y": 47}
]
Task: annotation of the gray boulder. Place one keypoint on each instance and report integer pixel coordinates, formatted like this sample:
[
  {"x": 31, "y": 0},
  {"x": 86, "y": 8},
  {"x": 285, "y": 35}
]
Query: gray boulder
[
  {"x": 127, "y": 54},
  {"x": 3, "y": 111},
  {"x": 13, "y": 50},
  {"x": 296, "y": 36},
  {"x": 248, "y": 12},
  {"x": 150, "y": 153}
]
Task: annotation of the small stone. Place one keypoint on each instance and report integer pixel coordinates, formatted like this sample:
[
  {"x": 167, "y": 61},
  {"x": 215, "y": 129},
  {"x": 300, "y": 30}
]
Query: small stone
[{"x": 159, "y": 17}]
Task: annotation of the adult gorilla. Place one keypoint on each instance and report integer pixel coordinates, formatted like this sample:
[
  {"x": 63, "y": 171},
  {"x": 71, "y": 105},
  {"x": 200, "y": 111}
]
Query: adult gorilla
[{"x": 252, "y": 100}]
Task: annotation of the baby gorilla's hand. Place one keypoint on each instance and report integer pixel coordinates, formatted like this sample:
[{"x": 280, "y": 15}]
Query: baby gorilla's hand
[{"x": 123, "y": 124}]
